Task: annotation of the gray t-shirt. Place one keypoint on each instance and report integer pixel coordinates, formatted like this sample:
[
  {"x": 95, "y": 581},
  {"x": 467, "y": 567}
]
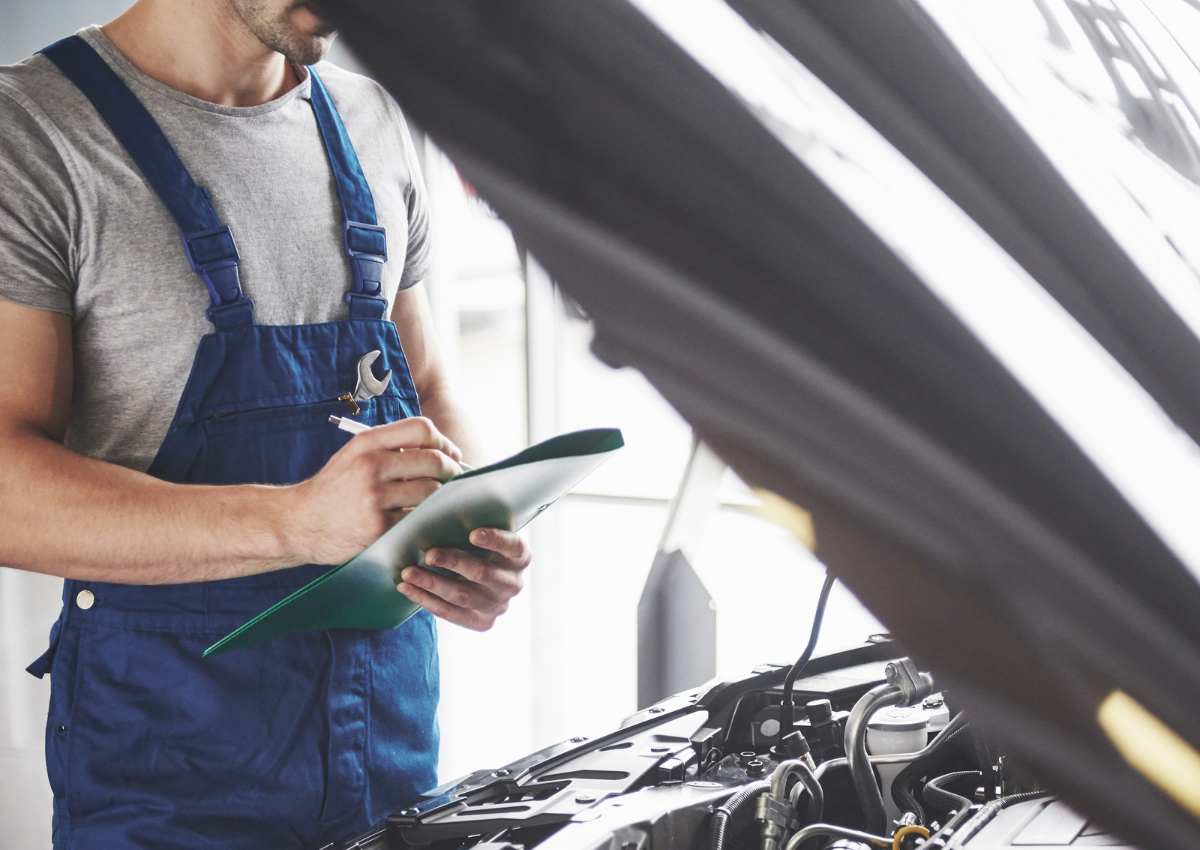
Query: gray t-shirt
[{"x": 82, "y": 233}]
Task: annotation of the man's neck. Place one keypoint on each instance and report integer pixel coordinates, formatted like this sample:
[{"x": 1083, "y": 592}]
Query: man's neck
[{"x": 201, "y": 48}]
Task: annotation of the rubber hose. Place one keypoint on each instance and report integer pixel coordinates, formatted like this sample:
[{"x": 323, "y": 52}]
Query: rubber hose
[
  {"x": 787, "y": 720},
  {"x": 816, "y": 794},
  {"x": 857, "y": 758},
  {"x": 731, "y": 807},
  {"x": 906, "y": 779},
  {"x": 936, "y": 795}
]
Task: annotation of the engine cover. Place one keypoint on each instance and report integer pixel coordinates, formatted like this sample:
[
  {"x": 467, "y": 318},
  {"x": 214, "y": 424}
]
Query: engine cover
[{"x": 1031, "y": 825}]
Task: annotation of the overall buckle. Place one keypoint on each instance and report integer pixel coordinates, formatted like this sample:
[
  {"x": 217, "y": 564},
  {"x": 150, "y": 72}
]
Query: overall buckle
[
  {"x": 214, "y": 256},
  {"x": 366, "y": 246}
]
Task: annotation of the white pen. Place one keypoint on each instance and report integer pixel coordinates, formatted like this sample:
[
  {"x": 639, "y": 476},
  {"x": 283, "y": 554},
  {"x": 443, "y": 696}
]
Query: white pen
[{"x": 350, "y": 426}]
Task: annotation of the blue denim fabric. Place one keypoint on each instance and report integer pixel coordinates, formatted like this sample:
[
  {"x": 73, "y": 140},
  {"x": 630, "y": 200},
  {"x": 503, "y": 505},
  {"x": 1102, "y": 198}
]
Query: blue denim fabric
[{"x": 289, "y": 744}]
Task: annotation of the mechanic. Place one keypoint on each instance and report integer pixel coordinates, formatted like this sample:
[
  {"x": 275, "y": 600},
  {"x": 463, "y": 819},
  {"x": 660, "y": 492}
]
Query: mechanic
[{"x": 203, "y": 231}]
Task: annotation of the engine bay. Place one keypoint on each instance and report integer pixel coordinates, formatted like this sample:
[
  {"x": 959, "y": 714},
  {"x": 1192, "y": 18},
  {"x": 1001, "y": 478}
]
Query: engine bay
[{"x": 871, "y": 757}]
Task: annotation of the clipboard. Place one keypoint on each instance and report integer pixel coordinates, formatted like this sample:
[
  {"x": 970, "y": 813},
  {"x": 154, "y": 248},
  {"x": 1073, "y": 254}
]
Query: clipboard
[{"x": 361, "y": 593}]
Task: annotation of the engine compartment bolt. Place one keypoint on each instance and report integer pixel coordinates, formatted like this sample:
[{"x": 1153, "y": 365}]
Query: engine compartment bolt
[
  {"x": 584, "y": 798},
  {"x": 504, "y": 771},
  {"x": 410, "y": 813},
  {"x": 754, "y": 767}
]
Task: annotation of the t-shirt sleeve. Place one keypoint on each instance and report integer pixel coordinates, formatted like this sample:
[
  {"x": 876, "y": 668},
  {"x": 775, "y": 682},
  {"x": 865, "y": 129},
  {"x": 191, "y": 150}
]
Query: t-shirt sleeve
[
  {"x": 418, "y": 262},
  {"x": 37, "y": 210}
]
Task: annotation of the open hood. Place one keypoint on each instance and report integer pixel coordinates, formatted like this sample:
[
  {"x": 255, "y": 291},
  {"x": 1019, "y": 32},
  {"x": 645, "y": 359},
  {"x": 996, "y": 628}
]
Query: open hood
[{"x": 918, "y": 266}]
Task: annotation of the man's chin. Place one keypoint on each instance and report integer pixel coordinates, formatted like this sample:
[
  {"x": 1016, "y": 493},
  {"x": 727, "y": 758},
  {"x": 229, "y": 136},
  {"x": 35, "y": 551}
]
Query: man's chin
[
  {"x": 305, "y": 18},
  {"x": 309, "y": 51}
]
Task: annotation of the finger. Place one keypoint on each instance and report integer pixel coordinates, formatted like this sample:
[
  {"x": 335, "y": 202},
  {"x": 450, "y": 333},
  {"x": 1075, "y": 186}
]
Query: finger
[
  {"x": 395, "y": 465},
  {"x": 502, "y": 579},
  {"x": 441, "y": 608},
  {"x": 398, "y": 495},
  {"x": 460, "y": 594},
  {"x": 416, "y": 432},
  {"x": 505, "y": 543},
  {"x": 394, "y": 515}
]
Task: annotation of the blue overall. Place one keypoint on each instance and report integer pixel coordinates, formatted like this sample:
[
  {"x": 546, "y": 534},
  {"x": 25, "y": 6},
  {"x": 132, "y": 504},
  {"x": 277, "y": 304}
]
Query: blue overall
[{"x": 295, "y": 742}]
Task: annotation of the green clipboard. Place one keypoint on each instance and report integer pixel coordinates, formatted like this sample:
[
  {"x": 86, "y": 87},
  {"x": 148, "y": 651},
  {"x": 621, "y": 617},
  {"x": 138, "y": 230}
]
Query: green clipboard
[{"x": 361, "y": 593}]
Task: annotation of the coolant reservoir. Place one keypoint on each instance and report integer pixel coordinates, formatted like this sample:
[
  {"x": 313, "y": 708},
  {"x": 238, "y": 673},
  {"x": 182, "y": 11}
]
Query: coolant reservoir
[
  {"x": 891, "y": 731},
  {"x": 939, "y": 713}
]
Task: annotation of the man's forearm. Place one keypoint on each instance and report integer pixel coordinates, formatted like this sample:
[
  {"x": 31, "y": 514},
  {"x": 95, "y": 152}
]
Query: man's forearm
[
  {"x": 72, "y": 516},
  {"x": 439, "y": 405}
]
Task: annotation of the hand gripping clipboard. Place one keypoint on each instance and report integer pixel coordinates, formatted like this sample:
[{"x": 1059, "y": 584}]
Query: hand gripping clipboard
[{"x": 361, "y": 593}]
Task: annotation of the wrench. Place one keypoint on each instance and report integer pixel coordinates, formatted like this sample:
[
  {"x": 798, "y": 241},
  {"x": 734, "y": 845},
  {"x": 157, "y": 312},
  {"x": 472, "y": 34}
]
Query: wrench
[{"x": 368, "y": 385}]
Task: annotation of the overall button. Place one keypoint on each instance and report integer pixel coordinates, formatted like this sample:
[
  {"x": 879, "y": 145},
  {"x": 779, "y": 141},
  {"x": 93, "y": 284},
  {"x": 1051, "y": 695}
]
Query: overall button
[{"x": 85, "y": 599}]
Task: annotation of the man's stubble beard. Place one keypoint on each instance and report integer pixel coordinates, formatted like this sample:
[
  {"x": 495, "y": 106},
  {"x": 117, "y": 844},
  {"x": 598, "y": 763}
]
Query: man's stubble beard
[{"x": 273, "y": 27}]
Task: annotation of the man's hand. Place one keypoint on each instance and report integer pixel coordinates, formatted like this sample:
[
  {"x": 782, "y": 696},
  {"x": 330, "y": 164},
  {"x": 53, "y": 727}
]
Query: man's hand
[
  {"x": 481, "y": 594},
  {"x": 368, "y": 486}
]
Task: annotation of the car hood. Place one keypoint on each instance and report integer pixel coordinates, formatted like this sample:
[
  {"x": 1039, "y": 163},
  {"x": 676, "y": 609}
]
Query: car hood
[{"x": 844, "y": 241}]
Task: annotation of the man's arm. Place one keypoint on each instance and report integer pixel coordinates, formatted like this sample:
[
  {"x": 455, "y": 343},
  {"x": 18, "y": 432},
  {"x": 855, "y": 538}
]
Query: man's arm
[
  {"x": 72, "y": 516},
  {"x": 487, "y": 584},
  {"x": 414, "y": 323}
]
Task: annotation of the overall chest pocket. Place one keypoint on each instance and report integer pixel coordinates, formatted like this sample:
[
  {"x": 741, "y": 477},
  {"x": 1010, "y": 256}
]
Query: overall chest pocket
[{"x": 283, "y": 445}]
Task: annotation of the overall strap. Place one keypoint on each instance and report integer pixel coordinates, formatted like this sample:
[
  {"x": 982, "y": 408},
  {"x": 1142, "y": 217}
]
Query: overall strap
[
  {"x": 209, "y": 244},
  {"x": 365, "y": 240}
]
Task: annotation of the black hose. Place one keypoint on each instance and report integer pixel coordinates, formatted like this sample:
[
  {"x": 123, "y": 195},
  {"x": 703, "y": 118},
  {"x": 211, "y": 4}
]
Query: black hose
[
  {"x": 816, "y": 794},
  {"x": 786, "y": 711},
  {"x": 936, "y": 795},
  {"x": 857, "y": 758},
  {"x": 906, "y": 779},
  {"x": 728, "y": 810}
]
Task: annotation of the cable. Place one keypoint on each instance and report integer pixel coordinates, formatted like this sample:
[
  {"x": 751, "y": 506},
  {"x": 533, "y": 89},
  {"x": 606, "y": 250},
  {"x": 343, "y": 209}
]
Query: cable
[
  {"x": 789, "y": 681},
  {"x": 731, "y": 807}
]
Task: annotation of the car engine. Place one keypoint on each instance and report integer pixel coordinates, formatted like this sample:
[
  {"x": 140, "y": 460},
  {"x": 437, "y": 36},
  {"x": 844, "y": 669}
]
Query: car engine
[{"x": 875, "y": 758}]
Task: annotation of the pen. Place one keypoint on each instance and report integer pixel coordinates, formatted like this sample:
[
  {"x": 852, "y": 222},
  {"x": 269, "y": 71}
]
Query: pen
[
  {"x": 349, "y": 425},
  {"x": 353, "y": 427}
]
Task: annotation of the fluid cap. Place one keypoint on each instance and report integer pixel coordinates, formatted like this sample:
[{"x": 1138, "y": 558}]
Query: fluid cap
[
  {"x": 897, "y": 729},
  {"x": 819, "y": 711},
  {"x": 899, "y": 719}
]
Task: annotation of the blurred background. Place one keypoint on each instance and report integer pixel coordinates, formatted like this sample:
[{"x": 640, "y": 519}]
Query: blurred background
[{"x": 563, "y": 661}]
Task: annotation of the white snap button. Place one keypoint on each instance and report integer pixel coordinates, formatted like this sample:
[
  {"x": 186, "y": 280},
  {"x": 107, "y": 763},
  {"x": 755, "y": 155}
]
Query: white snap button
[{"x": 85, "y": 599}]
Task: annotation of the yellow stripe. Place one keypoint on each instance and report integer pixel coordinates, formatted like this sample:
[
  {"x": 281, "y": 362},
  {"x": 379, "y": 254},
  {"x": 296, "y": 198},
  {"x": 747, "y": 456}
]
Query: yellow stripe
[
  {"x": 1153, "y": 749},
  {"x": 782, "y": 512}
]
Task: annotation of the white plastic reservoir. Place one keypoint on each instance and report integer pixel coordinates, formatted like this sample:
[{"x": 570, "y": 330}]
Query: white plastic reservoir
[{"x": 891, "y": 731}]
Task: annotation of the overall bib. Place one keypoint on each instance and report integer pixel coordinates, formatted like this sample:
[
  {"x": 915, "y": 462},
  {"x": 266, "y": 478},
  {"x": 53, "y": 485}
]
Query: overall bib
[{"x": 295, "y": 742}]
